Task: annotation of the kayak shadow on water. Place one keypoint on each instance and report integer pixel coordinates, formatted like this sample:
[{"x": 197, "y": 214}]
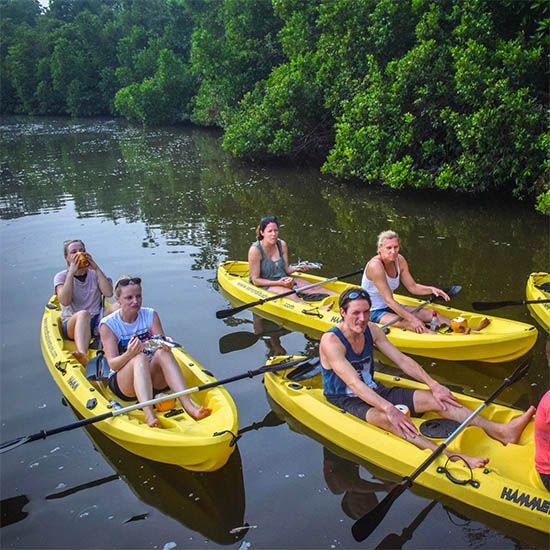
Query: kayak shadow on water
[
  {"x": 12, "y": 510},
  {"x": 343, "y": 470},
  {"x": 210, "y": 503}
]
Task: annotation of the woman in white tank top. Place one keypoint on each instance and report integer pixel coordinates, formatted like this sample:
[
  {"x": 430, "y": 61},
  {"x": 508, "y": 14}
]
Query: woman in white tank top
[{"x": 381, "y": 278}]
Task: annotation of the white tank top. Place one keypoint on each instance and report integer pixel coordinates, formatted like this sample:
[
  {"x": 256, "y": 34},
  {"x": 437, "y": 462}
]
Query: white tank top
[{"x": 377, "y": 302}]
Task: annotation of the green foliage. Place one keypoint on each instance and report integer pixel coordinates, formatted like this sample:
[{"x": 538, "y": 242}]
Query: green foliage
[
  {"x": 233, "y": 46},
  {"x": 164, "y": 97},
  {"x": 276, "y": 118},
  {"x": 543, "y": 203},
  {"x": 445, "y": 94}
]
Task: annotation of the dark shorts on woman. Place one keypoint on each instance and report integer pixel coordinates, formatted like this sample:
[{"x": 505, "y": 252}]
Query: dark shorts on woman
[
  {"x": 356, "y": 406},
  {"x": 114, "y": 387},
  {"x": 93, "y": 322}
]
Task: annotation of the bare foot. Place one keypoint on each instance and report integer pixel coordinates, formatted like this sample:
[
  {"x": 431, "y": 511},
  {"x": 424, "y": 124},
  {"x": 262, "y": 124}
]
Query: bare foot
[
  {"x": 511, "y": 432},
  {"x": 203, "y": 412},
  {"x": 483, "y": 324},
  {"x": 328, "y": 306},
  {"x": 199, "y": 414},
  {"x": 472, "y": 461},
  {"x": 150, "y": 418},
  {"x": 82, "y": 358}
]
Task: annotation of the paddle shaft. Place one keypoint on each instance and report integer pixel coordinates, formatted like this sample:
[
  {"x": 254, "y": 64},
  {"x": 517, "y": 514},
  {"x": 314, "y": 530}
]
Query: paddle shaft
[
  {"x": 453, "y": 291},
  {"x": 482, "y": 306},
  {"x": 85, "y": 422},
  {"x": 418, "y": 307},
  {"x": 222, "y": 314},
  {"x": 364, "y": 526}
]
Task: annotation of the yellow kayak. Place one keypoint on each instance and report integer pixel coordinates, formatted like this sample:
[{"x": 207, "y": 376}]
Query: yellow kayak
[
  {"x": 538, "y": 288},
  {"x": 509, "y": 487},
  {"x": 503, "y": 340},
  {"x": 182, "y": 440}
]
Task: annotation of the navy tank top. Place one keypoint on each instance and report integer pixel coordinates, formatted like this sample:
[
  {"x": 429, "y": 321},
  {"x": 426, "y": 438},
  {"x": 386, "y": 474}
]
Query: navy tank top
[{"x": 362, "y": 362}]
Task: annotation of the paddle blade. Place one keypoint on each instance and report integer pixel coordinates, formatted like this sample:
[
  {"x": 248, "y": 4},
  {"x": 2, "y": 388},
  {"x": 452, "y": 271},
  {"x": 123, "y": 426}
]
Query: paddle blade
[
  {"x": 365, "y": 525},
  {"x": 451, "y": 293},
  {"x": 484, "y": 306},
  {"x": 223, "y": 313},
  {"x": 235, "y": 341},
  {"x": 454, "y": 290}
]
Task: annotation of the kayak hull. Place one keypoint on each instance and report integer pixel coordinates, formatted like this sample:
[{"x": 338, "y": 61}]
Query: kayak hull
[
  {"x": 182, "y": 440},
  {"x": 508, "y": 487},
  {"x": 534, "y": 291},
  {"x": 503, "y": 340}
]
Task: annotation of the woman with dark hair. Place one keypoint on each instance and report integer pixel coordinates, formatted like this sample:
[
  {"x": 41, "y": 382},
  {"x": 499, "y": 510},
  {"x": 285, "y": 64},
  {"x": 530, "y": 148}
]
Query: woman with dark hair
[{"x": 268, "y": 262}]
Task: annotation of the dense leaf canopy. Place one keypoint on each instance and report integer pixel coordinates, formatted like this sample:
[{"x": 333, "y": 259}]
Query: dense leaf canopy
[{"x": 446, "y": 94}]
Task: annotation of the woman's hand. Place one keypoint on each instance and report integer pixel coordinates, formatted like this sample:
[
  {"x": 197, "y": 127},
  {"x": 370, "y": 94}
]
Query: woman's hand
[
  {"x": 438, "y": 292},
  {"x": 90, "y": 260},
  {"x": 286, "y": 281},
  {"x": 135, "y": 345},
  {"x": 417, "y": 325}
]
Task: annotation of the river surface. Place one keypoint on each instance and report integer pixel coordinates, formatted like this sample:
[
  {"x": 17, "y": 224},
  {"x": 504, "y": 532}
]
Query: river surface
[{"x": 168, "y": 205}]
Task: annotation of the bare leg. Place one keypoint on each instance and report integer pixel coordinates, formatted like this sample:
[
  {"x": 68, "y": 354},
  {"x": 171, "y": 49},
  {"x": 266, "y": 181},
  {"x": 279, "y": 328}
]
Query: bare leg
[
  {"x": 173, "y": 376},
  {"x": 378, "y": 418},
  {"x": 134, "y": 379},
  {"x": 505, "y": 433},
  {"x": 78, "y": 328}
]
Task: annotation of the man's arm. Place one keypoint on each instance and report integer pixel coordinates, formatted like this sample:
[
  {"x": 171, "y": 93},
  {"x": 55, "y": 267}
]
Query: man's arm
[
  {"x": 333, "y": 355},
  {"x": 409, "y": 366}
]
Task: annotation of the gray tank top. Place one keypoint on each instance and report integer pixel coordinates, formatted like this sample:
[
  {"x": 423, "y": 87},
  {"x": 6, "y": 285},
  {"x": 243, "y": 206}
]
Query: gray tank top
[{"x": 269, "y": 269}]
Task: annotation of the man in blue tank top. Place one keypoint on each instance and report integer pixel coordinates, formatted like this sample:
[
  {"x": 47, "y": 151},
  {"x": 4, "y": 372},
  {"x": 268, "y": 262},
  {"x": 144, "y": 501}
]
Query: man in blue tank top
[{"x": 346, "y": 353}]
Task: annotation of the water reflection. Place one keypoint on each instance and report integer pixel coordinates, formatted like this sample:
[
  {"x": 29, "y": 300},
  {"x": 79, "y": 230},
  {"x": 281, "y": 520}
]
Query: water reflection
[
  {"x": 394, "y": 540},
  {"x": 519, "y": 534},
  {"x": 12, "y": 510},
  {"x": 342, "y": 476},
  {"x": 210, "y": 503},
  {"x": 169, "y": 204}
]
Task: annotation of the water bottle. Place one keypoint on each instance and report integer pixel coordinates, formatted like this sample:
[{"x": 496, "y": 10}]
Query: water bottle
[{"x": 434, "y": 323}]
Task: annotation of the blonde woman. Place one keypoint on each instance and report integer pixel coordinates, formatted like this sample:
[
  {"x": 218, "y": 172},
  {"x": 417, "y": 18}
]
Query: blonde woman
[
  {"x": 382, "y": 276},
  {"x": 137, "y": 372}
]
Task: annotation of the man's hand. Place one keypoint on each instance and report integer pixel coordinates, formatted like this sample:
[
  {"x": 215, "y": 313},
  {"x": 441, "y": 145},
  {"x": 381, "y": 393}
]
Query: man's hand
[
  {"x": 443, "y": 396},
  {"x": 402, "y": 422}
]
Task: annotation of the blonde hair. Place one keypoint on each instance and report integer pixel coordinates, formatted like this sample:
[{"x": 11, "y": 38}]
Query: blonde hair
[
  {"x": 71, "y": 241},
  {"x": 388, "y": 234}
]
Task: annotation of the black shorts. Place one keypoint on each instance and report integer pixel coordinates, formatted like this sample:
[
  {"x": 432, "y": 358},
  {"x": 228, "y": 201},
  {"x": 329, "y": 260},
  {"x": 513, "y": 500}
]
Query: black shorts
[
  {"x": 356, "y": 406},
  {"x": 114, "y": 387},
  {"x": 545, "y": 478}
]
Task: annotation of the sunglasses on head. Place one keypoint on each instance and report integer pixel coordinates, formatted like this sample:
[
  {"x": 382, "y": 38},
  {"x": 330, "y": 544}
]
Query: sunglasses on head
[
  {"x": 126, "y": 282},
  {"x": 269, "y": 219},
  {"x": 355, "y": 295}
]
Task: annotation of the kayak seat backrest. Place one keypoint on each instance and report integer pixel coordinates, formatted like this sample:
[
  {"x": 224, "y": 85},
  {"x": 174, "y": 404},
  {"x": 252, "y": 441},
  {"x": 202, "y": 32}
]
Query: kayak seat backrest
[{"x": 544, "y": 287}]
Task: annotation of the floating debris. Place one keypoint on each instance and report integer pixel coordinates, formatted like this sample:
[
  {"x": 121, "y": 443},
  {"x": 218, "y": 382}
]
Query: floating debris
[{"x": 236, "y": 530}]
